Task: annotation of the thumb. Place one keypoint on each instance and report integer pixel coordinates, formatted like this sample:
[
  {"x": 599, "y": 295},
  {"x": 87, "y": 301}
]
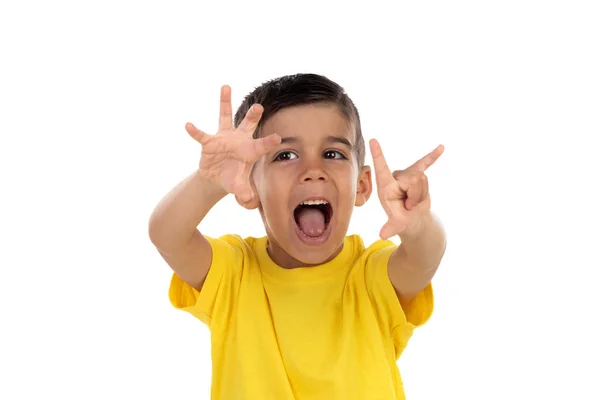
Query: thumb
[
  {"x": 246, "y": 196},
  {"x": 198, "y": 135},
  {"x": 391, "y": 228}
]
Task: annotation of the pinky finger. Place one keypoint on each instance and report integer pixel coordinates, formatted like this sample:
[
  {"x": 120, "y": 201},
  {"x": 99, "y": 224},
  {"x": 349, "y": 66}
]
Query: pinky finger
[{"x": 198, "y": 135}]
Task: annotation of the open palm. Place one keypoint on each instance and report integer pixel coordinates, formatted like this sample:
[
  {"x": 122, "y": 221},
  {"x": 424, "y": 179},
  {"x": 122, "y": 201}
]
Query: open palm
[{"x": 228, "y": 156}]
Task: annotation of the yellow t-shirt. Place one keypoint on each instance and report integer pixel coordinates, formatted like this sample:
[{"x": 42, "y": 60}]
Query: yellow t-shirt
[{"x": 329, "y": 332}]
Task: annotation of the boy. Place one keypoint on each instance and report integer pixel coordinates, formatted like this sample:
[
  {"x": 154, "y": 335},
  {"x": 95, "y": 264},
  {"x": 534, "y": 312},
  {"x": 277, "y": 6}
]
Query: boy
[{"x": 305, "y": 312}]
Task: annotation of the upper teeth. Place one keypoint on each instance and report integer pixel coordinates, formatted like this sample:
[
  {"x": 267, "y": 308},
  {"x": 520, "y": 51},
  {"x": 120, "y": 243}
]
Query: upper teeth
[{"x": 313, "y": 202}]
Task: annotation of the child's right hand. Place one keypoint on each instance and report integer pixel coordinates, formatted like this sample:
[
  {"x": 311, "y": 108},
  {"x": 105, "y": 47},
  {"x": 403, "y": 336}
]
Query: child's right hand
[{"x": 228, "y": 156}]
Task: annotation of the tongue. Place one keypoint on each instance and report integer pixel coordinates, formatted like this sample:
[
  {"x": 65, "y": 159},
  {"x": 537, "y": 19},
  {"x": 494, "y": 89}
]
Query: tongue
[{"x": 311, "y": 221}]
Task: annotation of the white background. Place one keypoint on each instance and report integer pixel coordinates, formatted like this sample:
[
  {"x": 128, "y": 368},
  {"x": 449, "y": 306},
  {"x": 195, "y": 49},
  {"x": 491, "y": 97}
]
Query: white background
[{"x": 94, "y": 97}]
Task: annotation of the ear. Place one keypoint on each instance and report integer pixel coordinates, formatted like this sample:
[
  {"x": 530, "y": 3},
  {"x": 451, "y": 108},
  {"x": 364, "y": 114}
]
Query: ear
[{"x": 364, "y": 186}]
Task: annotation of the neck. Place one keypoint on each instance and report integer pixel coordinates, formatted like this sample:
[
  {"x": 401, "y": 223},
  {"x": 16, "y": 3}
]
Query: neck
[{"x": 285, "y": 260}]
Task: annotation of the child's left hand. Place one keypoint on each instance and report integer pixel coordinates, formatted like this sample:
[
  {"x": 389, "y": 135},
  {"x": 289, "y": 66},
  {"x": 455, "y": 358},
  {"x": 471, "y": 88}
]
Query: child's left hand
[{"x": 404, "y": 194}]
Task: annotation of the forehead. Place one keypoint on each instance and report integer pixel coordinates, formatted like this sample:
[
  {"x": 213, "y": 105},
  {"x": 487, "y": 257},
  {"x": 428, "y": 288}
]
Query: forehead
[{"x": 309, "y": 121}]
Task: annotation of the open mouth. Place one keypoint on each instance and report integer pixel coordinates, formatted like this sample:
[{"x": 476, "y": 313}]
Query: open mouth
[{"x": 313, "y": 217}]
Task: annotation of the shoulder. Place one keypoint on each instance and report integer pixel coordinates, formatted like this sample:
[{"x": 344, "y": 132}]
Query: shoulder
[
  {"x": 376, "y": 252},
  {"x": 370, "y": 269},
  {"x": 233, "y": 241},
  {"x": 233, "y": 249},
  {"x": 370, "y": 262}
]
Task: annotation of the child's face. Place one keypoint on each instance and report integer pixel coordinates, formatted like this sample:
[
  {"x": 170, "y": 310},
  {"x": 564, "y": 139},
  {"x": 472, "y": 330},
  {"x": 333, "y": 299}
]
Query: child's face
[{"x": 315, "y": 160}]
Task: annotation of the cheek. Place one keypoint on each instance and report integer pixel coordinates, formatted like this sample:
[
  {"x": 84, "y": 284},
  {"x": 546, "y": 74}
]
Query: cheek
[
  {"x": 347, "y": 190},
  {"x": 269, "y": 182},
  {"x": 348, "y": 181},
  {"x": 273, "y": 193}
]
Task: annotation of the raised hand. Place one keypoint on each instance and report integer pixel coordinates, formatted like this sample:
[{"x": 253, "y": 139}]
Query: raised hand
[
  {"x": 404, "y": 194},
  {"x": 228, "y": 156}
]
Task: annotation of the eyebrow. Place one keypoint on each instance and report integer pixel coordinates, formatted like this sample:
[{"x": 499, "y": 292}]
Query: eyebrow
[{"x": 329, "y": 139}]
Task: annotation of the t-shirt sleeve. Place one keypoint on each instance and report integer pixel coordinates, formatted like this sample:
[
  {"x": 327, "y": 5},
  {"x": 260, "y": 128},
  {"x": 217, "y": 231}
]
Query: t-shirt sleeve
[
  {"x": 401, "y": 321},
  {"x": 221, "y": 282}
]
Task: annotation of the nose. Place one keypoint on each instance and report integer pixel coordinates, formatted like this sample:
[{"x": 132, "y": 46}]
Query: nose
[{"x": 314, "y": 172}]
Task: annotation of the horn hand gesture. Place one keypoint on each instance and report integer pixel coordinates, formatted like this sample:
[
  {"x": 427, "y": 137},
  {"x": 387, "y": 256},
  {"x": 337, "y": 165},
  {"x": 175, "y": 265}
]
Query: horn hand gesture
[{"x": 404, "y": 194}]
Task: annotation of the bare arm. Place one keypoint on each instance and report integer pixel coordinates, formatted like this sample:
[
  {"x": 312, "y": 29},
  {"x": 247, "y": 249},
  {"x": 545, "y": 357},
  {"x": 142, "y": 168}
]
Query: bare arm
[
  {"x": 225, "y": 165},
  {"x": 404, "y": 195},
  {"x": 414, "y": 263},
  {"x": 173, "y": 227}
]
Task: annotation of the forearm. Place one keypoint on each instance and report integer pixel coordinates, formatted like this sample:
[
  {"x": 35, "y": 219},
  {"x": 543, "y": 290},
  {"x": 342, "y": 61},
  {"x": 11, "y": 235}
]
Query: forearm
[
  {"x": 175, "y": 219},
  {"x": 423, "y": 250},
  {"x": 414, "y": 263}
]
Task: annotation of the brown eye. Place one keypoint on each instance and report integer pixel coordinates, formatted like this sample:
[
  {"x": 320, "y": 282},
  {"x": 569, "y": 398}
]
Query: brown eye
[
  {"x": 333, "y": 154},
  {"x": 285, "y": 156}
]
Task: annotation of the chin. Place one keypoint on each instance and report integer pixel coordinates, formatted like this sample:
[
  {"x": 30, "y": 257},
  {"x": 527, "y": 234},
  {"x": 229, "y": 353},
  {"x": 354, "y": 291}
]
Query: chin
[{"x": 314, "y": 250}]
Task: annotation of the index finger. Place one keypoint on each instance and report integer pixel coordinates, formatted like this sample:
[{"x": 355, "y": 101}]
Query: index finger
[
  {"x": 428, "y": 160},
  {"x": 383, "y": 175}
]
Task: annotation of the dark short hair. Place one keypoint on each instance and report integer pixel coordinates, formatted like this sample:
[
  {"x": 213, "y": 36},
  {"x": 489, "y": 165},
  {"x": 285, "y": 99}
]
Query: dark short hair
[{"x": 299, "y": 89}]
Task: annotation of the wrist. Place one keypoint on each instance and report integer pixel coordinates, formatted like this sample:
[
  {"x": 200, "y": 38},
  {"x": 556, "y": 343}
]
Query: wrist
[
  {"x": 211, "y": 189},
  {"x": 421, "y": 226}
]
